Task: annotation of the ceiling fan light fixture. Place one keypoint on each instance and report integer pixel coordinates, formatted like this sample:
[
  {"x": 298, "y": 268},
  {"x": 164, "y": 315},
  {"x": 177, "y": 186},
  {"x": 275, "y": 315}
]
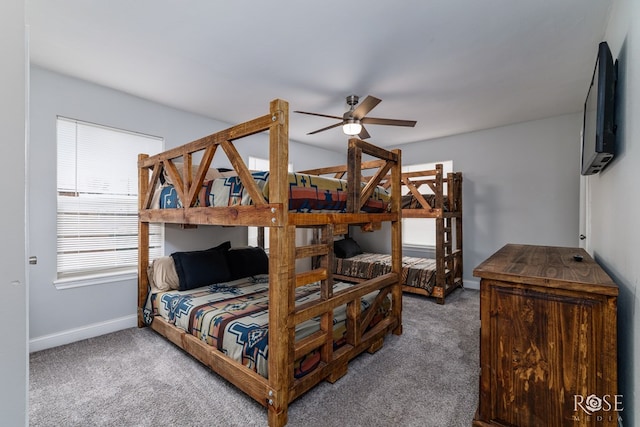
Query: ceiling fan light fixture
[
  {"x": 352, "y": 120},
  {"x": 352, "y": 127}
]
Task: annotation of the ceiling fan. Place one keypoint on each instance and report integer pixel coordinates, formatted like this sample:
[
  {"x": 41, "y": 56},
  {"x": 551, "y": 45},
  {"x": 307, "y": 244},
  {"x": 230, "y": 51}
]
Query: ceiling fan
[{"x": 354, "y": 119}]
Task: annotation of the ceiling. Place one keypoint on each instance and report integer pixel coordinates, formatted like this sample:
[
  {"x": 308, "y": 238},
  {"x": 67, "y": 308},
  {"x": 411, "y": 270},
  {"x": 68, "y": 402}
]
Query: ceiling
[{"x": 454, "y": 66}]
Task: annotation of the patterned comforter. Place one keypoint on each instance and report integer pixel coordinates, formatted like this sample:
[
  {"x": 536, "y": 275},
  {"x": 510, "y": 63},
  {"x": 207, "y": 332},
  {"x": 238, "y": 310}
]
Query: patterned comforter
[
  {"x": 416, "y": 272},
  {"x": 307, "y": 193},
  {"x": 233, "y": 317}
]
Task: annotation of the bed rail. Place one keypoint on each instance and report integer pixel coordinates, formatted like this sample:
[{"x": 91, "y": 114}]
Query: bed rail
[{"x": 188, "y": 183}]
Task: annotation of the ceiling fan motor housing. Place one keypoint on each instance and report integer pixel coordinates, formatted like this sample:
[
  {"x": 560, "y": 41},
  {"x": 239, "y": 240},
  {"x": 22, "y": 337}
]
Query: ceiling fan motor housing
[{"x": 352, "y": 100}]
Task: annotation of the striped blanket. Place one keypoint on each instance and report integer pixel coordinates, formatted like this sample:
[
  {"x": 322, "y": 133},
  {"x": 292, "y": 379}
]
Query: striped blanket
[{"x": 416, "y": 272}]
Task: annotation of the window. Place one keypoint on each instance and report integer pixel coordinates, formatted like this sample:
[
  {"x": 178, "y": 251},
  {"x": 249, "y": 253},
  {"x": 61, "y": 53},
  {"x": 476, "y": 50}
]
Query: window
[
  {"x": 421, "y": 232},
  {"x": 258, "y": 164},
  {"x": 97, "y": 214}
]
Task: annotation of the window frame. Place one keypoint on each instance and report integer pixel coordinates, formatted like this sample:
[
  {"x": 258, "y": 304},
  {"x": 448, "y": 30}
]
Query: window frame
[{"x": 75, "y": 187}]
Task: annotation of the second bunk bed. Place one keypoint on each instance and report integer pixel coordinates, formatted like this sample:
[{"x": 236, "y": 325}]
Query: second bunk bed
[
  {"x": 429, "y": 195},
  {"x": 281, "y": 317}
]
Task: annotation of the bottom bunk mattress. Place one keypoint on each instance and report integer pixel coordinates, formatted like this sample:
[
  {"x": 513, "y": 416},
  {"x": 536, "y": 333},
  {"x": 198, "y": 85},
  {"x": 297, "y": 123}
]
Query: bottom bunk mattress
[
  {"x": 416, "y": 272},
  {"x": 233, "y": 317}
]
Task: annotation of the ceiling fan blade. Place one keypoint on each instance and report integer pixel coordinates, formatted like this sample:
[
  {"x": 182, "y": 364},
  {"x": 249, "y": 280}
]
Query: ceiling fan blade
[
  {"x": 323, "y": 129},
  {"x": 365, "y": 106},
  {"x": 363, "y": 134},
  {"x": 388, "y": 122},
  {"x": 318, "y": 114}
]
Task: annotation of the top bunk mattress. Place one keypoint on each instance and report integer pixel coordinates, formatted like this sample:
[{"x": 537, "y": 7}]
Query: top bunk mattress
[{"x": 307, "y": 194}]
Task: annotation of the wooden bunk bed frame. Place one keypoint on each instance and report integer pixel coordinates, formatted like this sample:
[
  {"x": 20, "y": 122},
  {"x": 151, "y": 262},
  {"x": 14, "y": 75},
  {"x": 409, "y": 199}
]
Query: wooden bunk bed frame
[
  {"x": 447, "y": 212},
  {"x": 281, "y": 388}
]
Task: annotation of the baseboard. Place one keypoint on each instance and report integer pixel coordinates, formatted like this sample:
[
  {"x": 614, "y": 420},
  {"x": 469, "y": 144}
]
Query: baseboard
[
  {"x": 472, "y": 284},
  {"x": 82, "y": 333}
]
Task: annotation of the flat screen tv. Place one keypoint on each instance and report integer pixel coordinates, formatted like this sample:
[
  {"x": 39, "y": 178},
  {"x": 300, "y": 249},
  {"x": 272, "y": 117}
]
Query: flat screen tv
[{"x": 599, "y": 124}]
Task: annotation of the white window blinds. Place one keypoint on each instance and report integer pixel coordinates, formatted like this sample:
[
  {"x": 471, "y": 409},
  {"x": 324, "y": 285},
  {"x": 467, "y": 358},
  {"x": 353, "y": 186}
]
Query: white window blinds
[{"x": 97, "y": 213}]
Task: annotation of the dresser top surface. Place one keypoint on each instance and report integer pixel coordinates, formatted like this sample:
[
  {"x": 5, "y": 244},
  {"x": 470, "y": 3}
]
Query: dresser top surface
[{"x": 548, "y": 266}]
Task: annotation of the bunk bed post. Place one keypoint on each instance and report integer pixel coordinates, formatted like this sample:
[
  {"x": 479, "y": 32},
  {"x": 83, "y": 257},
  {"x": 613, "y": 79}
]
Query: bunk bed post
[
  {"x": 441, "y": 252},
  {"x": 354, "y": 175},
  {"x": 456, "y": 182},
  {"x": 281, "y": 270},
  {"x": 260, "y": 239},
  {"x": 396, "y": 239},
  {"x": 143, "y": 240}
]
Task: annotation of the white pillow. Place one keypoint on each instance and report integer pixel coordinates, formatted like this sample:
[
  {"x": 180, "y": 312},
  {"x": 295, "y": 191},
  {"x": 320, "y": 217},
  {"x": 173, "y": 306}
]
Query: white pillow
[{"x": 210, "y": 175}]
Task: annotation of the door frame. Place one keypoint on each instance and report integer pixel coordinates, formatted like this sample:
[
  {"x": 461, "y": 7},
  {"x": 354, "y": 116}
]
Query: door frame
[{"x": 14, "y": 76}]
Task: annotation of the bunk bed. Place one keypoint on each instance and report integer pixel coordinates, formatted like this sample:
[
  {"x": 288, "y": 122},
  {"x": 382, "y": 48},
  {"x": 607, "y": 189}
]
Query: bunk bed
[
  {"x": 278, "y": 382},
  {"x": 435, "y": 277}
]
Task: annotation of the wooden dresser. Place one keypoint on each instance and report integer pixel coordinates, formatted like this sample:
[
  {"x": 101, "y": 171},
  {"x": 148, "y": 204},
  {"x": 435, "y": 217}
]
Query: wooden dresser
[{"x": 548, "y": 349}]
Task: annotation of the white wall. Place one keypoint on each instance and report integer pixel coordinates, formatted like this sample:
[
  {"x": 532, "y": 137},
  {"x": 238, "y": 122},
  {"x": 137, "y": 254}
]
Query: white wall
[
  {"x": 61, "y": 316},
  {"x": 520, "y": 185},
  {"x": 615, "y": 235},
  {"x": 13, "y": 273}
]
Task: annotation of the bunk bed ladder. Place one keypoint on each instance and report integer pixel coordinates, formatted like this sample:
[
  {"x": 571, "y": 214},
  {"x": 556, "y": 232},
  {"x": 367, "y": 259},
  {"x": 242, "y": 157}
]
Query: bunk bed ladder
[
  {"x": 441, "y": 261},
  {"x": 449, "y": 238},
  {"x": 448, "y": 253},
  {"x": 448, "y": 233},
  {"x": 321, "y": 254},
  {"x": 443, "y": 240},
  {"x": 454, "y": 196}
]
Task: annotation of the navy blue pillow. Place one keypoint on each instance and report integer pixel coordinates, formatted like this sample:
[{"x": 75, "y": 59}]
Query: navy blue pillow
[
  {"x": 245, "y": 262},
  {"x": 202, "y": 268},
  {"x": 346, "y": 248}
]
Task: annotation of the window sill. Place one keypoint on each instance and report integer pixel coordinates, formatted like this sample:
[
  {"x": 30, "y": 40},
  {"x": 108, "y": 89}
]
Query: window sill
[
  {"x": 419, "y": 251},
  {"x": 95, "y": 279},
  {"x": 417, "y": 247}
]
